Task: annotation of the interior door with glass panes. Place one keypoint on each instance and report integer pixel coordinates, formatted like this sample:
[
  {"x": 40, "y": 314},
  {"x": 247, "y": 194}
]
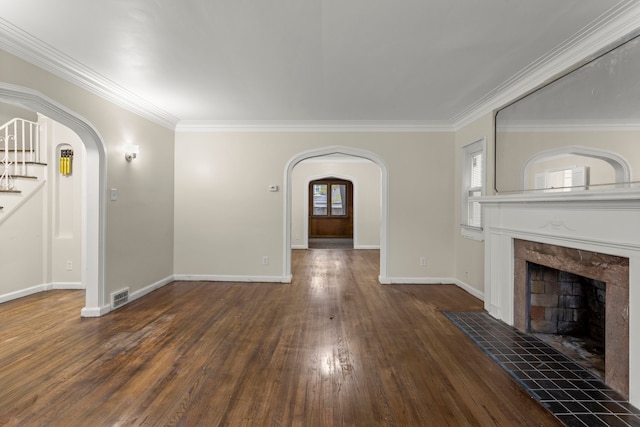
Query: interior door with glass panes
[{"x": 331, "y": 208}]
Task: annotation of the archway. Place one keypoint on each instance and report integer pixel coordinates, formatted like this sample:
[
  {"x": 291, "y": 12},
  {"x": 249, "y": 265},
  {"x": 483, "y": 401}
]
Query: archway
[
  {"x": 94, "y": 191},
  {"x": 619, "y": 164},
  {"x": 384, "y": 195}
]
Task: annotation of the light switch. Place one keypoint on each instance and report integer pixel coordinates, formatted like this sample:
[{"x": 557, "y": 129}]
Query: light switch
[
  {"x": 273, "y": 188},
  {"x": 114, "y": 194}
]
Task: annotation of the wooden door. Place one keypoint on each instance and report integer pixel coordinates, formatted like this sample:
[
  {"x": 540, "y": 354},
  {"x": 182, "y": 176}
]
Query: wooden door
[{"x": 331, "y": 208}]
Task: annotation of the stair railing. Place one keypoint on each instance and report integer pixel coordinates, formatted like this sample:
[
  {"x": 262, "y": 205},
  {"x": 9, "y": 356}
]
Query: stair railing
[{"x": 20, "y": 145}]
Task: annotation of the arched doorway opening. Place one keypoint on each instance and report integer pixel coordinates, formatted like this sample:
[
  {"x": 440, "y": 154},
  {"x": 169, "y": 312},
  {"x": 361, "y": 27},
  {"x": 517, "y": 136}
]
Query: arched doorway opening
[
  {"x": 93, "y": 194},
  {"x": 340, "y": 151}
]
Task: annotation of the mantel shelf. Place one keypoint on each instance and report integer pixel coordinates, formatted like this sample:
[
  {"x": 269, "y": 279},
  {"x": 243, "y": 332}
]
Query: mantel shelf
[{"x": 621, "y": 195}]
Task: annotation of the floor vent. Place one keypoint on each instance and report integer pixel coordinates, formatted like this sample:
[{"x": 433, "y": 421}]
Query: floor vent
[{"x": 119, "y": 298}]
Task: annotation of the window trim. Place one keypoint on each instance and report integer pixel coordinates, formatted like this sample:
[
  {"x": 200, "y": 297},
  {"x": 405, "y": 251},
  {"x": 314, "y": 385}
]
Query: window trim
[{"x": 468, "y": 152}]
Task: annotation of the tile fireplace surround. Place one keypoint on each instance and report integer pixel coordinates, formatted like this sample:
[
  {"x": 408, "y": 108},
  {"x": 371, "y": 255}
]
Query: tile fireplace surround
[{"x": 600, "y": 229}]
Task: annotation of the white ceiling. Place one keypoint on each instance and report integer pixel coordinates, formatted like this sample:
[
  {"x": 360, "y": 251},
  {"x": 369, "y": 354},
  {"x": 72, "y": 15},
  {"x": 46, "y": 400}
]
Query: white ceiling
[{"x": 299, "y": 61}]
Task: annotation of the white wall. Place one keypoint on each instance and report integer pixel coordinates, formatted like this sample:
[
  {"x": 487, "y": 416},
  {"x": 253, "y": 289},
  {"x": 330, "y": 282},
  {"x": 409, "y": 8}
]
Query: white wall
[
  {"x": 469, "y": 254},
  {"x": 365, "y": 176},
  {"x": 9, "y": 111},
  {"x": 226, "y": 220},
  {"x": 64, "y": 207},
  {"x": 22, "y": 249},
  {"x": 138, "y": 228}
]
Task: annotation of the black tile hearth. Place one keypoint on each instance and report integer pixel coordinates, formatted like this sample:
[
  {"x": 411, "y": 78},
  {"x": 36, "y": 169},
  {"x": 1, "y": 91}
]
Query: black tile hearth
[{"x": 572, "y": 393}]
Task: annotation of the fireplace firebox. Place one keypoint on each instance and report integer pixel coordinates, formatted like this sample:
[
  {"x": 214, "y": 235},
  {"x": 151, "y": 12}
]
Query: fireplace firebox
[
  {"x": 568, "y": 311},
  {"x": 569, "y": 292}
]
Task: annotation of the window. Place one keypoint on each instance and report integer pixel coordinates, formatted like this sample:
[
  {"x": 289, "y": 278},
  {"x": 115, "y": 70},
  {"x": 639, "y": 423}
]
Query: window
[
  {"x": 473, "y": 182},
  {"x": 561, "y": 180},
  {"x": 329, "y": 199},
  {"x": 338, "y": 207},
  {"x": 319, "y": 199}
]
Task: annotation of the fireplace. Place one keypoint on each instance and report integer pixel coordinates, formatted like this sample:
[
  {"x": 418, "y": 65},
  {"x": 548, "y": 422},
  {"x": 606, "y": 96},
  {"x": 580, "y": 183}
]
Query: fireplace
[
  {"x": 568, "y": 311},
  {"x": 578, "y": 268},
  {"x": 594, "y": 235}
]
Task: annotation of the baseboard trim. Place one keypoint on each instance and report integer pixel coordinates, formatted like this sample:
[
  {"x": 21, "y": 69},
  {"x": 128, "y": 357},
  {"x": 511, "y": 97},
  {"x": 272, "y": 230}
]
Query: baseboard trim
[
  {"x": 367, "y": 247},
  {"x": 102, "y": 310},
  {"x": 40, "y": 288},
  {"x": 95, "y": 311},
  {"x": 231, "y": 278},
  {"x": 471, "y": 290},
  {"x": 433, "y": 281},
  {"x": 358, "y": 247},
  {"x": 67, "y": 286},
  {"x": 421, "y": 281},
  {"x": 24, "y": 292},
  {"x": 148, "y": 289}
]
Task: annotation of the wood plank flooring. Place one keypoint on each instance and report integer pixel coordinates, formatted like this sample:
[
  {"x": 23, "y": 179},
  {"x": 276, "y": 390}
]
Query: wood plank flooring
[{"x": 333, "y": 348}]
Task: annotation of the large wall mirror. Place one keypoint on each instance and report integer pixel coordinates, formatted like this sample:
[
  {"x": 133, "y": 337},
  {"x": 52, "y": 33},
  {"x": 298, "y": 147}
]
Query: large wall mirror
[{"x": 580, "y": 132}]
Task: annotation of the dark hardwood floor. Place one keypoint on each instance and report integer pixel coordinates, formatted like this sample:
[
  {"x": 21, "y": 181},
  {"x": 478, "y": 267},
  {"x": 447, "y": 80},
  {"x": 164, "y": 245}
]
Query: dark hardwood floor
[{"x": 332, "y": 348}]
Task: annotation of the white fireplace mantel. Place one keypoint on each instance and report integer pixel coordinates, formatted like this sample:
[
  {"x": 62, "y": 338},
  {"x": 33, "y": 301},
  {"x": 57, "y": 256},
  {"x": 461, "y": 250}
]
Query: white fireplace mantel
[{"x": 598, "y": 221}]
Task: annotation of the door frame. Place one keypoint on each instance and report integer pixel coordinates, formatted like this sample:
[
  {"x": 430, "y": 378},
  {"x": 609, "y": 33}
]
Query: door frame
[
  {"x": 305, "y": 209},
  {"x": 93, "y": 195},
  {"x": 384, "y": 204}
]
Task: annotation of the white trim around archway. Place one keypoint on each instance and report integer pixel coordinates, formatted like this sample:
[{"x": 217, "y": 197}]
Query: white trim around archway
[
  {"x": 619, "y": 164},
  {"x": 94, "y": 190},
  {"x": 384, "y": 197}
]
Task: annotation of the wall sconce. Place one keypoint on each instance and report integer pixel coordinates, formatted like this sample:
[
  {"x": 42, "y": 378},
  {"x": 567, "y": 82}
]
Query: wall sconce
[{"x": 131, "y": 152}]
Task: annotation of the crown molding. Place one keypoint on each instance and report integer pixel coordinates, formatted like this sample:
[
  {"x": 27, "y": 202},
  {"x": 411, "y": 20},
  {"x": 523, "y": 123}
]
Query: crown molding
[
  {"x": 569, "y": 126},
  {"x": 611, "y": 28},
  {"x": 313, "y": 126},
  {"x": 33, "y": 50}
]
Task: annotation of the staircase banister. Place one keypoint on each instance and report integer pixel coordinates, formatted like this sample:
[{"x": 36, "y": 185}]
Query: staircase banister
[
  {"x": 16, "y": 135},
  {"x": 17, "y": 119}
]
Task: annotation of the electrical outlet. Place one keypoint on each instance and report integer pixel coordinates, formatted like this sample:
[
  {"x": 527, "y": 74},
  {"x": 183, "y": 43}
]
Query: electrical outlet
[
  {"x": 69, "y": 265},
  {"x": 265, "y": 260},
  {"x": 423, "y": 261}
]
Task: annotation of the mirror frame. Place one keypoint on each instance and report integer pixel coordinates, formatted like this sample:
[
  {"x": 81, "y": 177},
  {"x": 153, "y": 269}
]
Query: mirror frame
[{"x": 621, "y": 166}]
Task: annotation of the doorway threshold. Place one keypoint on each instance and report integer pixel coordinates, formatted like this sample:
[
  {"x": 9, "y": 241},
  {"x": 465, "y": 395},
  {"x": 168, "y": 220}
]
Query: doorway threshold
[{"x": 330, "y": 243}]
